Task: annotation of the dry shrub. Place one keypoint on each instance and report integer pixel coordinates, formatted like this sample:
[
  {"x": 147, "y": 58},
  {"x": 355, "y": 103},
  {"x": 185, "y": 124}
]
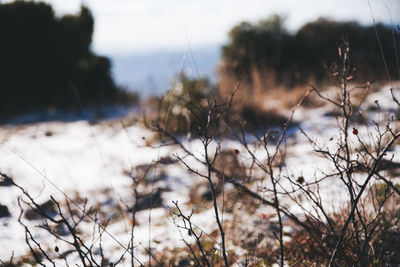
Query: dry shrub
[
  {"x": 382, "y": 250},
  {"x": 256, "y": 118},
  {"x": 264, "y": 92}
]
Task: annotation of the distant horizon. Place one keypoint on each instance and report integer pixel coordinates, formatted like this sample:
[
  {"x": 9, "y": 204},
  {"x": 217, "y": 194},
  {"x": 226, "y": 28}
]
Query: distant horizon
[
  {"x": 150, "y": 74},
  {"x": 161, "y": 50}
]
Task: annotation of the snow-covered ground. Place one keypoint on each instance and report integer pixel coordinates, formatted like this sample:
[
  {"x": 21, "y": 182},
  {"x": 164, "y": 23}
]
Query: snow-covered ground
[{"x": 93, "y": 161}]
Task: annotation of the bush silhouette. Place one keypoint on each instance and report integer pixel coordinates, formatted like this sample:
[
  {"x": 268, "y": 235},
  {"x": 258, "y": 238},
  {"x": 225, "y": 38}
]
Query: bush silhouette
[
  {"x": 186, "y": 104},
  {"x": 293, "y": 59},
  {"x": 40, "y": 55}
]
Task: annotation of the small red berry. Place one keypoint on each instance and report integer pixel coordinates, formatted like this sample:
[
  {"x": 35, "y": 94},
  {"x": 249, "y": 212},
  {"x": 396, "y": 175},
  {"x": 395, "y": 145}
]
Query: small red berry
[
  {"x": 355, "y": 131},
  {"x": 236, "y": 151}
]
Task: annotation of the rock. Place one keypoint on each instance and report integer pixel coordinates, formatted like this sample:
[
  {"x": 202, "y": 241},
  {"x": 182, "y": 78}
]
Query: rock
[
  {"x": 202, "y": 192},
  {"x": 5, "y": 180},
  {"x": 257, "y": 118},
  {"x": 4, "y": 212},
  {"x": 146, "y": 201},
  {"x": 61, "y": 230},
  {"x": 48, "y": 208},
  {"x": 145, "y": 172},
  {"x": 184, "y": 263},
  {"x": 205, "y": 192},
  {"x": 167, "y": 160},
  {"x": 385, "y": 164}
]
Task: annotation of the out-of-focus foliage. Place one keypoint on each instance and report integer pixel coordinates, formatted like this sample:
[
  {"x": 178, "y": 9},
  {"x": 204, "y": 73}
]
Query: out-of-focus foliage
[
  {"x": 293, "y": 59},
  {"x": 186, "y": 105},
  {"x": 257, "y": 45},
  {"x": 41, "y": 55}
]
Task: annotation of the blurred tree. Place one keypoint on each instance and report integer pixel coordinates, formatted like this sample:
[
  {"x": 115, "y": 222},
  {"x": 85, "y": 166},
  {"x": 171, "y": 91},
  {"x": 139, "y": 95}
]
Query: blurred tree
[
  {"x": 260, "y": 45},
  {"x": 40, "y": 54},
  {"x": 267, "y": 51},
  {"x": 317, "y": 42}
]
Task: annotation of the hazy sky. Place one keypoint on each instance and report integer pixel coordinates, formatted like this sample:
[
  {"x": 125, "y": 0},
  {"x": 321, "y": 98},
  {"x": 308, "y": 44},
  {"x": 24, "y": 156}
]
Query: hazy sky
[{"x": 133, "y": 26}]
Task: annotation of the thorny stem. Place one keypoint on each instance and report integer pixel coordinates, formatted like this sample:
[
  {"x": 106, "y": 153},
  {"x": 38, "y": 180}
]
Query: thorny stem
[
  {"x": 238, "y": 185},
  {"x": 28, "y": 235},
  {"x": 85, "y": 213},
  {"x": 363, "y": 187},
  {"x": 188, "y": 225},
  {"x": 206, "y": 142},
  {"x": 347, "y": 113},
  {"x": 276, "y": 202},
  {"x": 85, "y": 252},
  {"x": 270, "y": 171}
]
